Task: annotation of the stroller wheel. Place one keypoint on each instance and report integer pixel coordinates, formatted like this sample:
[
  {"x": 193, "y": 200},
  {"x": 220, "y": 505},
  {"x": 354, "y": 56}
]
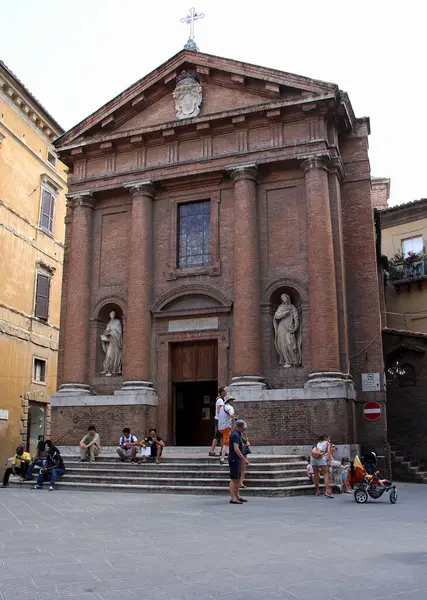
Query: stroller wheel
[
  {"x": 393, "y": 496},
  {"x": 360, "y": 496}
]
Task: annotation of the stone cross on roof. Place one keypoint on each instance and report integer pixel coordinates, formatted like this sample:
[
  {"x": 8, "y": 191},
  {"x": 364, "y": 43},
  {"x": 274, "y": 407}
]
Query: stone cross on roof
[{"x": 189, "y": 20}]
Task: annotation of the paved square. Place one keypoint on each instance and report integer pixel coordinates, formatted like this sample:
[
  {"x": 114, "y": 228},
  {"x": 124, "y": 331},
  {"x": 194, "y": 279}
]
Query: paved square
[{"x": 123, "y": 546}]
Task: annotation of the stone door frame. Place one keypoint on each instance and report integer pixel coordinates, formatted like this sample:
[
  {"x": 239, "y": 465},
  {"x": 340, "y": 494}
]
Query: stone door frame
[
  {"x": 164, "y": 368},
  {"x": 41, "y": 398}
]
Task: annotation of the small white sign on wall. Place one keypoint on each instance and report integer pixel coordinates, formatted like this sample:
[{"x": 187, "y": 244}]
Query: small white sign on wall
[
  {"x": 4, "y": 414},
  {"x": 371, "y": 382}
]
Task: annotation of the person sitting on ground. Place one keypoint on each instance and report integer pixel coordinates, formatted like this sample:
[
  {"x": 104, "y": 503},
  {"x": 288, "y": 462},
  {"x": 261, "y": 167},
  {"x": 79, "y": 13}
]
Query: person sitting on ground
[
  {"x": 236, "y": 459},
  {"x": 53, "y": 467},
  {"x": 90, "y": 445},
  {"x": 127, "y": 449},
  {"x": 19, "y": 465},
  {"x": 155, "y": 443},
  {"x": 225, "y": 424},
  {"x": 309, "y": 469},
  {"x": 218, "y": 404},
  {"x": 38, "y": 458}
]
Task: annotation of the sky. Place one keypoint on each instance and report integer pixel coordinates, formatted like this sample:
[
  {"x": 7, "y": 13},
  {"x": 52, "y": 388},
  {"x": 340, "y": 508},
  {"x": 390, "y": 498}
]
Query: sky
[{"x": 75, "y": 56}]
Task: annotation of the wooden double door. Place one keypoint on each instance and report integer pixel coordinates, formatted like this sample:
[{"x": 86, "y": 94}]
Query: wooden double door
[{"x": 194, "y": 390}]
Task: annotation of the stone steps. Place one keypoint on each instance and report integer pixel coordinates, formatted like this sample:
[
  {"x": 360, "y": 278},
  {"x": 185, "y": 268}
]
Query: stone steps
[
  {"x": 269, "y": 475},
  {"x": 404, "y": 469}
]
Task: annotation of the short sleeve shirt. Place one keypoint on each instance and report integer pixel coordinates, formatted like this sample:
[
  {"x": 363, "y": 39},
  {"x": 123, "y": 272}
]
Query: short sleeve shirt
[
  {"x": 235, "y": 438},
  {"x": 224, "y": 419},
  {"x": 218, "y": 404},
  {"x": 24, "y": 457}
]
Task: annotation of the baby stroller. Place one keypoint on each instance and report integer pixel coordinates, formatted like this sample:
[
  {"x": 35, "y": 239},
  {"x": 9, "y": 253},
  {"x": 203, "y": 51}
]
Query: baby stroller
[{"x": 367, "y": 481}]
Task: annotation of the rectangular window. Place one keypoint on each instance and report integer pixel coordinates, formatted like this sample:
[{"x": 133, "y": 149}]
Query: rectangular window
[
  {"x": 51, "y": 158},
  {"x": 414, "y": 245},
  {"x": 47, "y": 213},
  {"x": 194, "y": 234},
  {"x": 39, "y": 372},
  {"x": 42, "y": 296}
]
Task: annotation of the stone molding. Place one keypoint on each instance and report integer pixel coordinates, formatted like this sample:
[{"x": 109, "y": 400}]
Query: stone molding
[
  {"x": 140, "y": 189},
  {"x": 84, "y": 199},
  {"x": 190, "y": 290},
  {"x": 114, "y": 299},
  {"x": 248, "y": 172},
  {"x": 255, "y": 394},
  {"x": 315, "y": 162},
  {"x": 147, "y": 396}
]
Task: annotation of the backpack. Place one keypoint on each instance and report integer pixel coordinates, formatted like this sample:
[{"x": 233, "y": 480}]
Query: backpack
[{"x": 317, "y": 453}]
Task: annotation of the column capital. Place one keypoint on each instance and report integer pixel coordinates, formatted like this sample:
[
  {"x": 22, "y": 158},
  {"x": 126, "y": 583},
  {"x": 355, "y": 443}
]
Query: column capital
[
  {"x": 80, "y": 199},
  {"x": 315, "y": 162},
  {"x": 140, "y": 188},
  {"x": 243, "y": 172},
  {"x": 337, "y": 167}
]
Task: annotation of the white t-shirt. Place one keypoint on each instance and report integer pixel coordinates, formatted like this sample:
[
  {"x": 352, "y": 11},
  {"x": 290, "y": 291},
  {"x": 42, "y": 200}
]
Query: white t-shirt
[
  {"x": 218, "y": 404},
  {"x": 225, "y": 414},
  {"x": 128, "y": 440}
]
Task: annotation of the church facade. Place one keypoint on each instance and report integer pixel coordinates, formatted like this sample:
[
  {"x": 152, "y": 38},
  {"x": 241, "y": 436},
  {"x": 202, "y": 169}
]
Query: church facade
[{"x": 220, "y": 232}]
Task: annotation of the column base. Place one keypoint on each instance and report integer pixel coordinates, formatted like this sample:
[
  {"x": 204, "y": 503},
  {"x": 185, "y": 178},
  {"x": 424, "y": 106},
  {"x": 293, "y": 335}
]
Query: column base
[
  {"x": 329, "y": 379},
  {"x": 135, "y": 386},
  {"x": 75, "y": 389},
  {"x": 247, "y": 382}
]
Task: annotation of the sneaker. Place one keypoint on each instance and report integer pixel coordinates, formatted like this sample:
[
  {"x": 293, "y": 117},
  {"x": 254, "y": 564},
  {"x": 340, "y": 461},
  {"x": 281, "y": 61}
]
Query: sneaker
[
  {"x": 212, "y": 454},
  {"x": 222, "y": 461},
  {"x": 51, "y": 488},
  {"x": 236, "y": 502},
  {"x": 329, "y": 495},
  {"x": 240, "y": 499},
  {"x": 37, "y": 487}
]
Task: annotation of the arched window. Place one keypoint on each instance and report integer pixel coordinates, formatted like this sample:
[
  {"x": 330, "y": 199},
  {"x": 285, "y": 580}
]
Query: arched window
[{"x": 408, "y": 378}]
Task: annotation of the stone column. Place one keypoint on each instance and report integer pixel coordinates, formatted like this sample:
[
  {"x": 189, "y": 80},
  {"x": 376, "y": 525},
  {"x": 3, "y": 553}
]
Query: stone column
[
  {"x": 76, "y": 339},
  {"x": 325, "y": 359},
  {"x": 137, "y": 338},
  {"x": 246, "y": 308}
]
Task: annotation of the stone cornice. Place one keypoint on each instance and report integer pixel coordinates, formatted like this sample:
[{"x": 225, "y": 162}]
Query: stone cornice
[
  {"x": 211, "y": 118},
  {"x": 315, "y": 162},
  {"x": 202, "y": 167},
  {"x": 27, "y": 107}
]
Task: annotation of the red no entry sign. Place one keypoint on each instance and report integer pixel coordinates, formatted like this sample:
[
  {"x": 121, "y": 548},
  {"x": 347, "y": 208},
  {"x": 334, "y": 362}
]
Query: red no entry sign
[{"x": 372, "y": 411}]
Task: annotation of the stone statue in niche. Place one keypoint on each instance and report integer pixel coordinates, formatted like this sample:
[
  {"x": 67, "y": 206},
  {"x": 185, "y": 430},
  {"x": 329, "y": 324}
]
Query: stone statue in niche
[
  {"x": 187, "y": 96},
  {"x": 287, "y": 333},
  {"x": 112, "y": 345}
]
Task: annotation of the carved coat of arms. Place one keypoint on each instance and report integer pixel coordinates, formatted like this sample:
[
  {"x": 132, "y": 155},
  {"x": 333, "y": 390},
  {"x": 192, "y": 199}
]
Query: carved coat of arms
[{"x": 187, "y": 96}]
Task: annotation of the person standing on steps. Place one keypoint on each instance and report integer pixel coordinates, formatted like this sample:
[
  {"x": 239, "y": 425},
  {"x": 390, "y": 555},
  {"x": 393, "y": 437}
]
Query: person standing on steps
[
  {"x": 90, "y": 445},
  {"x": 225, "y": 424},
  {"x": 236, "y": 460},
  {"x": 320, "y": 455},
  {"x": 218, "y": 404}
]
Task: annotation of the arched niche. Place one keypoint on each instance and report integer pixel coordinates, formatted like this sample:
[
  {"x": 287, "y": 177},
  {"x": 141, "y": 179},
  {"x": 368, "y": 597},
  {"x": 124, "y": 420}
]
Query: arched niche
[
  {"x": 101, "y": 320},
  {"x": 272, "y": 299}
]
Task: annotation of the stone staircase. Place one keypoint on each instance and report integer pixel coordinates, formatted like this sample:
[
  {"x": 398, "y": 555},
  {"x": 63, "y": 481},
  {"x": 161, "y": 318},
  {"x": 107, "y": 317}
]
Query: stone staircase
[
  {"x": 406, "y": 470},
  {"x": 267, "y": 475}
]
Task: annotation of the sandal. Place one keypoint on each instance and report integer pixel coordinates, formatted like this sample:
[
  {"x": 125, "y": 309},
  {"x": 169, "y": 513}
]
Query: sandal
[
  {"x": 240, "y": 499},
  {"x": 235, "y": 502},
  {"x": 222, "y": 461}
]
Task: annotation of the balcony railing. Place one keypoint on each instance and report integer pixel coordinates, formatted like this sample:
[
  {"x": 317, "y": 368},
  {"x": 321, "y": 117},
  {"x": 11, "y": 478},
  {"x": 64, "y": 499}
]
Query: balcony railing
[{"x": 407, "y": 270}]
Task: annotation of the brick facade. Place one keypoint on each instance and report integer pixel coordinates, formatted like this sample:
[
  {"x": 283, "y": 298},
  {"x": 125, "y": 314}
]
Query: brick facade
[{"x": 284, "y": 163}]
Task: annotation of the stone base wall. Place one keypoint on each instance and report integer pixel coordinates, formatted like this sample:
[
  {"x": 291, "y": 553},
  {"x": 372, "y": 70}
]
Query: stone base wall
[
  {"x": 70, "y": 423},
  {"x": 296, "y": 422}
]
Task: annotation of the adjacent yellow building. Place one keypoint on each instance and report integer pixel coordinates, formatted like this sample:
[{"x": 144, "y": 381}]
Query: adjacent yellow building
[
  {"x": 32, "y": 210},
  {"x": 404, "y": 241}
]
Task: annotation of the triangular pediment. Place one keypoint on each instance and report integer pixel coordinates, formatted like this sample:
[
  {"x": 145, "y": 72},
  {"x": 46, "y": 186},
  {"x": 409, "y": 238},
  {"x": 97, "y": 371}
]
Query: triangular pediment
[{"x": 226, "y": 85}]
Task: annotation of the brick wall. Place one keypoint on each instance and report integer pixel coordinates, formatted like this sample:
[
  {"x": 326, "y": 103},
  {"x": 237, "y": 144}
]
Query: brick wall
[
  {"x": 71, "y": 423},
  {"x": 296, "y": 422}
]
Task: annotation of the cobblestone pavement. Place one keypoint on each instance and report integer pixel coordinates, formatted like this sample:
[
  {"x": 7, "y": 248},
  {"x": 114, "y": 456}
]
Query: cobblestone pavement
[{"x": 101, "y": 546}]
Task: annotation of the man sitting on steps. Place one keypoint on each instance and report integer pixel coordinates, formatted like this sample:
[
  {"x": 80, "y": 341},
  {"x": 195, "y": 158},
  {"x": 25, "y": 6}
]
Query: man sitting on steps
[
  {"x": 90, "y": 445},
  {"x": 128, "y": 447}
]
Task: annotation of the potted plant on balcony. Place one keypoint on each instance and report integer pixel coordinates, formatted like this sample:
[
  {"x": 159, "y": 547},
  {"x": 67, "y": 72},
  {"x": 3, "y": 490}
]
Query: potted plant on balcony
[{"x": 398, "y": 258}]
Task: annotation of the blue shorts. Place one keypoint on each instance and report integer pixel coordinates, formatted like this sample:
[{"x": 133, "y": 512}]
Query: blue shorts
[
  {"x": 319, "y": 462},
  {"x": 235, "y": 469}
]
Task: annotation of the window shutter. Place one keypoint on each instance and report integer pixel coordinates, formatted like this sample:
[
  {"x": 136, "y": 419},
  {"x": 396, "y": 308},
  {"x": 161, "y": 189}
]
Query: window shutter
[
  {"x": 42, "y": 296},
  {"x": 47, "y": 211}
]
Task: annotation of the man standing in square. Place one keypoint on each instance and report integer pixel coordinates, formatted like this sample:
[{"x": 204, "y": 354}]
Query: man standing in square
[{"x": 235, "y": 461}]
